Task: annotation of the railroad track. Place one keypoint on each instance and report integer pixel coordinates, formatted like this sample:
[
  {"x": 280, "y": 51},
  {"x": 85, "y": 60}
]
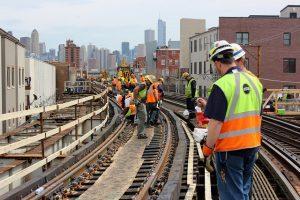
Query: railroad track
[{"x": 280, "y": 148}]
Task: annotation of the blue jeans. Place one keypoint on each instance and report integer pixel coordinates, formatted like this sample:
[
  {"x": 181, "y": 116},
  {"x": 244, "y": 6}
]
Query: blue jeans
[{"x": 234, "y": 171}]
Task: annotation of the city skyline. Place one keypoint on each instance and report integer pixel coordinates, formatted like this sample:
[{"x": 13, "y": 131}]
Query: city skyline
[{"x": 88, "y": 26}]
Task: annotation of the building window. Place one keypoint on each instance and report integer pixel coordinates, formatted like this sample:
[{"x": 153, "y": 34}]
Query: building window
[
  {"x": 289, "y": 65},
  {"x": 204, "y": 91},
  {"x": 19, "y": 77},
  {"x": 195, "y": 45},
  {"x": 205, "y": 43},
  {"x": 204, "y": 67},
  {"x": 191, "y": 68},
  {"x": 215, "y": 37},
  {"x": 8, "y": 77},
  {"x": 23, "y": 79},
  {"x": 287, "y": 39},
  {"x": 12, "y": 77},
  {"x": 163, "y": 62},
  {"x": 200, "y": 44},
  {"x": 191, "y": 46},
  {"x": 289, "y": 87},
  {"x": 200, "y": 67},
  {"x": 210, "y": 41},
  {"x": 293, "y": 15},
  {"x": 242, "y": 38},
  {"x": 195, "y": 68},
  {"x": 13, "y": 120}
]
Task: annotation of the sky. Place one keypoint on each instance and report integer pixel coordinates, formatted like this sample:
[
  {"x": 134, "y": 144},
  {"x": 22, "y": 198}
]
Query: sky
[{"x": 106, "y": 23}]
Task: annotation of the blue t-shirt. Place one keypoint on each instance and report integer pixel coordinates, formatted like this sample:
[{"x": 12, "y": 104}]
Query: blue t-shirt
[{"x": 216, "y": 106}]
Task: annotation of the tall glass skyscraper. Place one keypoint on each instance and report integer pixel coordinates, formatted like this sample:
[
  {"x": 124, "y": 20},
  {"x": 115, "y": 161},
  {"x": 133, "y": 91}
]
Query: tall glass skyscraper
[{"x": 161, "y": 33}]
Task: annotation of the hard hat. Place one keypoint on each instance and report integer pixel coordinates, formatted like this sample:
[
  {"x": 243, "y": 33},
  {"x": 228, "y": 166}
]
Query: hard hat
[
  {"x": 151, "y": 78},
  {"x": 238, "y": 51},
  {"x": 217, "y": 48},
  {"x": 162, "y": 80},
  {"x": 185, "y": 75}
]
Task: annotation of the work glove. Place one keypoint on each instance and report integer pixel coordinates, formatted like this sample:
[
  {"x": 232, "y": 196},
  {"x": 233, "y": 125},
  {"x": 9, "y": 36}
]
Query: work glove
[
  {"x": 207, "y": 152},
  {"x": 159, "y": 103}
]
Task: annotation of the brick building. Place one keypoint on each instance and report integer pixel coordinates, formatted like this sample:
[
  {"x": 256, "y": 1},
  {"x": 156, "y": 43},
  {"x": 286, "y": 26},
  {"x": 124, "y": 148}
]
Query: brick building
[
  {"x": 167, "y": 62},
  {"x": 139, "y": 65},
  {"x": 72, "y": 54},
  {"x": 273, "y": 39}
]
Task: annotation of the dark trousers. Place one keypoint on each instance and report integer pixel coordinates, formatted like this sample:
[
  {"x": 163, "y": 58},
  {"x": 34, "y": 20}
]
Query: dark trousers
[
  {"x": 234, "y": 171},
  {"x": 190, "y": 106},
  {"x": 151, "y": 113}
]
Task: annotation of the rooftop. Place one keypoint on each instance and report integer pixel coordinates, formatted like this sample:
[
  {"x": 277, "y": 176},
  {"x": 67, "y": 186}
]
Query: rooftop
[{"x": 290, "y": 6}]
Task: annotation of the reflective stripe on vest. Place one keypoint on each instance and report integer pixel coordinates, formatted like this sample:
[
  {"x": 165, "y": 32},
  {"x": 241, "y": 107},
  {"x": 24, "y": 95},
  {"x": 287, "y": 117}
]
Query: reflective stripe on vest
[
  {"x": 152, "y": 94},
  {"x": 241, "y": 127}
]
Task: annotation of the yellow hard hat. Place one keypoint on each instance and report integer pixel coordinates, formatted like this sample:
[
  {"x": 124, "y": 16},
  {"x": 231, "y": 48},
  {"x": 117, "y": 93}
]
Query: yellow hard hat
[
  {"x": 151, "y": 78},
  {"x": 185, "y": 75}
]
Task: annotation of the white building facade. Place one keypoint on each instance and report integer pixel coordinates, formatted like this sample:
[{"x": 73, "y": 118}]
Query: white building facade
[
  {"x": 40, "y": 83},
  {"x": 200, "y": 67},
  {"x": 12, "y": 75}
]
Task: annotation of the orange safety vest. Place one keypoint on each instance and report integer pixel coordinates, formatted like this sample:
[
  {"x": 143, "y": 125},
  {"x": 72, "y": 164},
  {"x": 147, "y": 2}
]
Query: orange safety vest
[
  {"x": 152, "y": 94},
  {"x": 241, "y": 127}
]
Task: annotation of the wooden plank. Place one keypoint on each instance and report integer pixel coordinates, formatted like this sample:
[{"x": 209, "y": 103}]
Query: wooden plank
[
  {"x": 11, "y": 165},
  {"x": 67, "y": 104},
  {"x": 24, "y": 142},
  {"x": 34, "y": 111},
  {"x": 19, "y": 129},
  {"x": 23, "y": 156},
  {"x": 39, "y": 164},
  {"x": 32, "y": 139},
  {"x": 207, "y": 185}
]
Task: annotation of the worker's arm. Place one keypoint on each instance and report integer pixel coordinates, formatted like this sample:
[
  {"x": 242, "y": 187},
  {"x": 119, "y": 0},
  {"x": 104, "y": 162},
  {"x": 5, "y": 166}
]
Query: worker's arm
[{"x": 214, "y": 128}]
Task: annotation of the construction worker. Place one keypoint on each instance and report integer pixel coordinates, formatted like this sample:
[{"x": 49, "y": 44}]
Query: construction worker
[
  {"x": 151, "y": 101},
  {"x": 159, "y": 87},
  {"x": 190, "y": 94},
  {"x": 140, "y": 95},
  {"x": 234, "y": 108},
  {"x": 133, "y": 82}
]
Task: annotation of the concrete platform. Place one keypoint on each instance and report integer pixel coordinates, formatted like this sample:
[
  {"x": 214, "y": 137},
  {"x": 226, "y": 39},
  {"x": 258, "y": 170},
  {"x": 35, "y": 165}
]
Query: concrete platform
[{"x": 119, "y": 176}]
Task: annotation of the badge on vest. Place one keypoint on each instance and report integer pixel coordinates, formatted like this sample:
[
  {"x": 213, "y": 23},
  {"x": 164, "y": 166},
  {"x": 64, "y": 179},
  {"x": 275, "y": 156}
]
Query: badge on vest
[{"x": 246, "y": 88}]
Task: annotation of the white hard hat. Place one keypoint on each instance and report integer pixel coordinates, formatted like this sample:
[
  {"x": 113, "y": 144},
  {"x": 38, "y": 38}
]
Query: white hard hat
[
  {"x": 238, "y": 51},
  {"x": 218, "y": 47}
]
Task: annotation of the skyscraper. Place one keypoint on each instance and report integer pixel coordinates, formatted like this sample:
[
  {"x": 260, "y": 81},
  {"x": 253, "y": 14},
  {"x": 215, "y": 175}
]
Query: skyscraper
[
  {"x": 161, "y": 33},
  {"x": 125, "y": 49},
  {"x": 188, "y": 28},
  {"x": 140, "y": 50},
  {"x": 42, "y": 48},
  {"x": 149, "y": 36},
  {"x": 52, "y": 53},
  {"x": 72, "y": 54},
  {"x": 35, "y": 42},
  {"x": 61, "y": 53},
  {"x": 118, "y": 56},
  {"x": 83, "y": 56},
  {"x": 26, "y": 41},
  {"x": 104, "y": 58}
]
